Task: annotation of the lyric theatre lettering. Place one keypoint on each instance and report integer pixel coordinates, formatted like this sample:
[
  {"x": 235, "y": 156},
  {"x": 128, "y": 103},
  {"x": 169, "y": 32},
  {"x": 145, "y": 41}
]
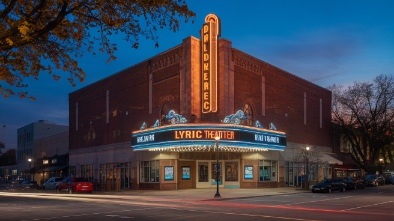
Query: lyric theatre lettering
[{"x": 203, "y": 134}]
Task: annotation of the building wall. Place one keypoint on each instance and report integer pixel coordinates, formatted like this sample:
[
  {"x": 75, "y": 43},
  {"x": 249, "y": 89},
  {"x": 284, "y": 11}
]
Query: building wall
[
  {"x": 52, "y": 145},
  {"x": 93, "y": 122},
  {"x": 291, "y": 103},
  {"x": 283, "y": 100}
]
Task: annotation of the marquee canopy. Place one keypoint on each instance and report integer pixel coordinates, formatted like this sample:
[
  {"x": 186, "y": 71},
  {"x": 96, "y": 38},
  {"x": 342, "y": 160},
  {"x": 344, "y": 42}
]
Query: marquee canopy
[{"x": 201, "y": 137}]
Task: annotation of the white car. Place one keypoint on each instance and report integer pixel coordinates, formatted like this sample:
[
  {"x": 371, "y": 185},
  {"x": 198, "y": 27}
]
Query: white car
[{"x": 51, "y": 183}]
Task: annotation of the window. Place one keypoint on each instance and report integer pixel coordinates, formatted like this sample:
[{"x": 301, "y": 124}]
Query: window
[
  {"x": 110, "y": 172},
  {"x": 149, "y": 171},
  {"x": 54, "y": 161},
  {"x": 72, "y": 171},
  {"x": 249, "y": 113},
  {"x": 268, "y": 170},
  {"x": 231, "y": 171},
  {"x": 87, "y": 171},
  {"x": 45, "y": 161}
]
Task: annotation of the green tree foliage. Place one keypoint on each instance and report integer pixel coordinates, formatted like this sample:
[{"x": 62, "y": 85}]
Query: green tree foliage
[
  {"x": 50, "y": 35},
  {"x": 365, "y": 115}
]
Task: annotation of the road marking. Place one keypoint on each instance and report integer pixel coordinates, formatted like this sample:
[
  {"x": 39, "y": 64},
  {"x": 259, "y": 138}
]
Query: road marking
[
  {"x": 360, "y": 207},
  {"x": 316, "y": 201},
  {"x": 258, "y": 215},
  {"x": 88, "y": 214}
]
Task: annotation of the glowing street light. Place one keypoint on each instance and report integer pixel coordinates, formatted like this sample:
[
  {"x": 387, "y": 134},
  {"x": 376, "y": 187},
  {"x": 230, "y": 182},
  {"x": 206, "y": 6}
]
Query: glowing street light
[
  {"x": 381, "y": 164},
  {"x": 307, "y": 167},
  {"x": 217, "y": 138},
  {"x": 29, "y": 160}
]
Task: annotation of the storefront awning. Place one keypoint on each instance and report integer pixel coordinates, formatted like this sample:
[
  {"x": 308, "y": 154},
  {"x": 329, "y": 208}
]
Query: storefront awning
[
  {"x": 292, "y": 156},
  {"x": 329, "y": 159},
  {"x": 50, "y": 169}
]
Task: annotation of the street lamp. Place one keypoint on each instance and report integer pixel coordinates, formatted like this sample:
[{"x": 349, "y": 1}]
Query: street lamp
[
  {"x": 307, "y": 168},
  {"x": 29, "y": 168},
  {"x": 217, "y": 138},
  {"x": 381, "y": 164}
]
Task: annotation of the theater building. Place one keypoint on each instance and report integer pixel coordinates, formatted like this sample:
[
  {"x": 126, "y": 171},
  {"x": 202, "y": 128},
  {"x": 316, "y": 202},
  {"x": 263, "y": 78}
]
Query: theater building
[{"x": 198, "y": 115}]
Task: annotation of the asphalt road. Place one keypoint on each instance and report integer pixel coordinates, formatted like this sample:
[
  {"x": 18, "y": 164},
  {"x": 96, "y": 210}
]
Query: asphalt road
[{"x": 372, "y": 203}]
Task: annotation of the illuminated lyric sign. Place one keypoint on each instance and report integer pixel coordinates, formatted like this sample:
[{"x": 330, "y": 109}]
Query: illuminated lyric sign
[
  {"x": 202, "y": 135},
  {"x": 209, "y": 53}
]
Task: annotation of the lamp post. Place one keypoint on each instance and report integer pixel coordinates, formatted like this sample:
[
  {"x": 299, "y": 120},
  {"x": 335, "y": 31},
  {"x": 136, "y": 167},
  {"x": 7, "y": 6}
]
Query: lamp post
[
  {"x": 217, "y": 138},
  {"x": 381, "y": 164},
  {"x": 307, "y": 168},
  {"x": 29, "y": 168}
]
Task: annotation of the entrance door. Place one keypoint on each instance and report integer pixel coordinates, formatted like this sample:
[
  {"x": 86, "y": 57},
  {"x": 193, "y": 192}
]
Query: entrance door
[
  {"x": 291, "y": 177},
  {"x": 216, "y": 176},
  {"x": 203, "y": 174}
]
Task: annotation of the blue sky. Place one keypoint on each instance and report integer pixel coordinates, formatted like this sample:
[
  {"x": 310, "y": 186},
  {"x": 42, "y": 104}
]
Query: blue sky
[{"x": 323, "y": 41}]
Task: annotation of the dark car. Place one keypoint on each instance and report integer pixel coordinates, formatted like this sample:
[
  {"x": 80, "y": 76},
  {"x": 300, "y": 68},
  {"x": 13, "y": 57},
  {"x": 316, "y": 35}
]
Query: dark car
[
  {"x": 28, "y": 184},
  {"x": 389, "y": 177},
  {"x": 360, "y": 182},
  {"x": 353, "y": 183},
  {"x": 51, "y": 183},
  {"x": 374, "y": 180},
  {"x": 329, "y": 185},
  {"x": 75, "y": 184}
]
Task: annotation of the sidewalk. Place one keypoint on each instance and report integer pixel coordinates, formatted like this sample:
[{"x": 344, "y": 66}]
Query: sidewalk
[{"x": 208, "y": 194}]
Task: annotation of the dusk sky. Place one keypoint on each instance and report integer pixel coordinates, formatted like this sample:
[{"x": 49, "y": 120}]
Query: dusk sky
[{"x": 323, "y": 41}]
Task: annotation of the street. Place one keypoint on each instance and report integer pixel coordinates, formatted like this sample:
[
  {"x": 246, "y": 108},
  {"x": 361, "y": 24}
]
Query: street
[{"x": 372, "y": 203}]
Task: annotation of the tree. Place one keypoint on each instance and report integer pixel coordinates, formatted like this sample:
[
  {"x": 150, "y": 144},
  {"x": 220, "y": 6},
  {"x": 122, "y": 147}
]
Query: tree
[
  {"x": 49, "y": 36},
  {"x": 8, "y": 158},
  {"x": 310, "y": 158},
  {"x": 364, "y": 113}
]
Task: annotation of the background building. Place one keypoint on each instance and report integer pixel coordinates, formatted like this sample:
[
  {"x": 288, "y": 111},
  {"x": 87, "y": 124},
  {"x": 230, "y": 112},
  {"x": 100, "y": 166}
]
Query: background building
[
  {"x": 51, "y": 157},
  {"x": 27, "y": 139}
]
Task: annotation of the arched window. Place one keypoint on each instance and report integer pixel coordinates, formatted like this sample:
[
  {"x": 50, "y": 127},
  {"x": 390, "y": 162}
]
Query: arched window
[
  {"x": 248, "y": 110},
  {"x": 165, "y": 108}
]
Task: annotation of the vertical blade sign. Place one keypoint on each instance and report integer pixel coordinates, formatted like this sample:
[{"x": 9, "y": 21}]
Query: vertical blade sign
[{"x": 209, "y": 57}]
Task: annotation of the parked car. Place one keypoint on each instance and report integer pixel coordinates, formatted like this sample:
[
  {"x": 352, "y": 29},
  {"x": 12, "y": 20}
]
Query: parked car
[
  {"x": 389, "y": 177},
  {"x": 75, "y": 184},
  {"x": 374, "y": 180},
  {"x": 28, "y": 184},
  {"x": 353, "y": 183},
  {"x": 51, "y": 183},
  {"x": 360, "y": 182},
  {"x": 13, "y": 185},
  {"x": 329, "y": 185}
]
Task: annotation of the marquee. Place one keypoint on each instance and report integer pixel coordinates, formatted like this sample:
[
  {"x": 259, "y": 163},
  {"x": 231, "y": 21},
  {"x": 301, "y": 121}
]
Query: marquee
[{"x": 201, "y": 137}]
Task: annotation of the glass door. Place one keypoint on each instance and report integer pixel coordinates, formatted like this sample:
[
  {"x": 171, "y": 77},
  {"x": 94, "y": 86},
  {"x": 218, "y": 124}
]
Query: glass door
[
  {"x": 202, "y": 174},
  {"x": 216, "y": 173}
]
